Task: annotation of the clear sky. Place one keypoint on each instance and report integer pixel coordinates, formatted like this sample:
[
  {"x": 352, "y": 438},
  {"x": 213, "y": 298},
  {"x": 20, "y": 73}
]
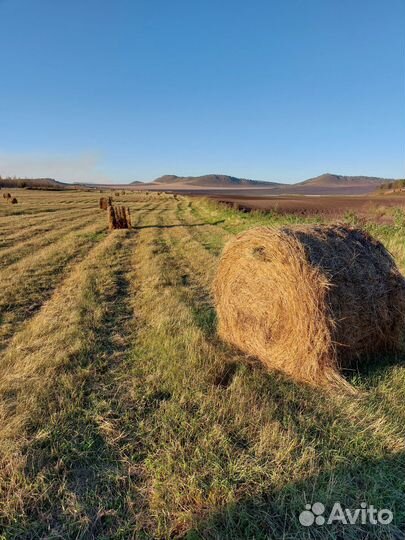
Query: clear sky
[{"x": 124, "y": 90}]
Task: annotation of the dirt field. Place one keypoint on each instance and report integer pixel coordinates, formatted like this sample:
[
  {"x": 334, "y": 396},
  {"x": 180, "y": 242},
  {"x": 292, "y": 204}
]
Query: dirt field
[
  {"x": 373, "y": 207},
  {"x": 123, "y": 416}
]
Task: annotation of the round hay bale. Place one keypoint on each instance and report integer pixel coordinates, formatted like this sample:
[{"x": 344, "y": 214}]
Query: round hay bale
[{"x": 309, "y": 300}]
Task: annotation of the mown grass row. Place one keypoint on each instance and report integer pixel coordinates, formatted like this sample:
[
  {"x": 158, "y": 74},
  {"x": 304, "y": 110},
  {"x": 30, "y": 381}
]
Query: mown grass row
[
  {"x": 26, "y": 230},
  {"x": 23, "y": 239},
  {"x": 25, "y": 247},
  {"x": 64, "y": 466},
  {"x": 58, "y": 470},
  {"x": 39, "y": 208},
  {"x": 28, "y": 283},
  {"x": 29, "y": 280}
]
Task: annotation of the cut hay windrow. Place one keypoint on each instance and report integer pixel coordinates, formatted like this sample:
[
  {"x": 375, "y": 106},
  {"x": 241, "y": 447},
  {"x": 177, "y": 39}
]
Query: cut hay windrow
[{"x": 309, "y": 301}]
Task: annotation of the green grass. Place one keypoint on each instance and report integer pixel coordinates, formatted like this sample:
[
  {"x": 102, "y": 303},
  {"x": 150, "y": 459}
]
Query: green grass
[{"x": 124, "y": 416}]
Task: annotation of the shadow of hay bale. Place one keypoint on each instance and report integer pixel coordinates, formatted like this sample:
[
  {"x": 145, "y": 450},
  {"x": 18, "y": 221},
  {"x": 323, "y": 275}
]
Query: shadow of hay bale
[{"x": 275, "y": 513}]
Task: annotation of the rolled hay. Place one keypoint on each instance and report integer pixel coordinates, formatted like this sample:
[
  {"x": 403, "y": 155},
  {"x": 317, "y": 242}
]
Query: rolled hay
[
  {"x": 112, "y": 221},
  {"x": 119, "y": 217},
  {"x": 105, "y": 202},
  {"x": 309, "y": 301}
]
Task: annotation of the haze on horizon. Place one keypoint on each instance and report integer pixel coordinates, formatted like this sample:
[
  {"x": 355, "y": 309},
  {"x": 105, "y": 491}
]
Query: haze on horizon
[{"x": 280, "y": 91}]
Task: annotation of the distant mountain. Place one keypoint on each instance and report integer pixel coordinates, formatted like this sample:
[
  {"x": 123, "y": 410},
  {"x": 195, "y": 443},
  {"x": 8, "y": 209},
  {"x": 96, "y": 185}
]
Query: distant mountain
[
  {"x": 43, "y": 183},
  {"x": 337, "y": 180},
  {"x": 212, "y": 180},
  {"x": 325, "y": 184},
  {"x": 168, "y": 179},
  {"x": 33, "y": 183}
]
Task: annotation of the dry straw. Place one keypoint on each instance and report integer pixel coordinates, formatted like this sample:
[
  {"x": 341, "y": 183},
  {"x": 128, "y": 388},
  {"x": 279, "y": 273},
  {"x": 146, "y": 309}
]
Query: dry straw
[
  {"x": 309, "y": 300},
  {"x": 119, "y": 217},
  {"x": 105, "y": 202}
]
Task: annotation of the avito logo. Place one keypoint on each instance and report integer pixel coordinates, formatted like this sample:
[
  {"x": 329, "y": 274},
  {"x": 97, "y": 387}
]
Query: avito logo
[{"x": 314, "y": 515}]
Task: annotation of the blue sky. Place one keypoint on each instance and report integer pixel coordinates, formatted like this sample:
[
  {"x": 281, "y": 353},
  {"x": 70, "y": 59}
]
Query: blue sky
[{"x": 278, "y": 90}]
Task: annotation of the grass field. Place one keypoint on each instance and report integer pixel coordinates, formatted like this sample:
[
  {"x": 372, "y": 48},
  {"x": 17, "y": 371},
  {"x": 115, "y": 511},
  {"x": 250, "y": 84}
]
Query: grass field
[{"x": 123, "y": 416}]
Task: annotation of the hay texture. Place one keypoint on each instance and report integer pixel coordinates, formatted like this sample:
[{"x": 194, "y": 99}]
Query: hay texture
[
  {"x": 105, "y": 202},
  {"x": 310, "y": 300},
  {"x": 119, "y": 217}
]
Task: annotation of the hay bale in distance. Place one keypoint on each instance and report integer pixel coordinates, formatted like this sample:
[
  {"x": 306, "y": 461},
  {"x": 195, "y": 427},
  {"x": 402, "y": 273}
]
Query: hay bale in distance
[
  {"x": 119, "y": 217},
  {"x": 105, "y": 202},
  {"x": 309, "y": 300},
  {"x": 111, "y": 218},
  {"x": 226, "y": 204}
]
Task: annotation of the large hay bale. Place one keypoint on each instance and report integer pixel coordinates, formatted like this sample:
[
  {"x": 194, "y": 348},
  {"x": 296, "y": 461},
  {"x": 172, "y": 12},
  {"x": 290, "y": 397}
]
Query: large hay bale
[
  {"x": 309, "y": 300},
  {"x": 105, "y": 202},
  {"x": 119, "y": 217}
]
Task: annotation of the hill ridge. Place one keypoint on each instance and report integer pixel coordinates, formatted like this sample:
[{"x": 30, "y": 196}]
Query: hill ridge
[{"x": 211, "y": 180}]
